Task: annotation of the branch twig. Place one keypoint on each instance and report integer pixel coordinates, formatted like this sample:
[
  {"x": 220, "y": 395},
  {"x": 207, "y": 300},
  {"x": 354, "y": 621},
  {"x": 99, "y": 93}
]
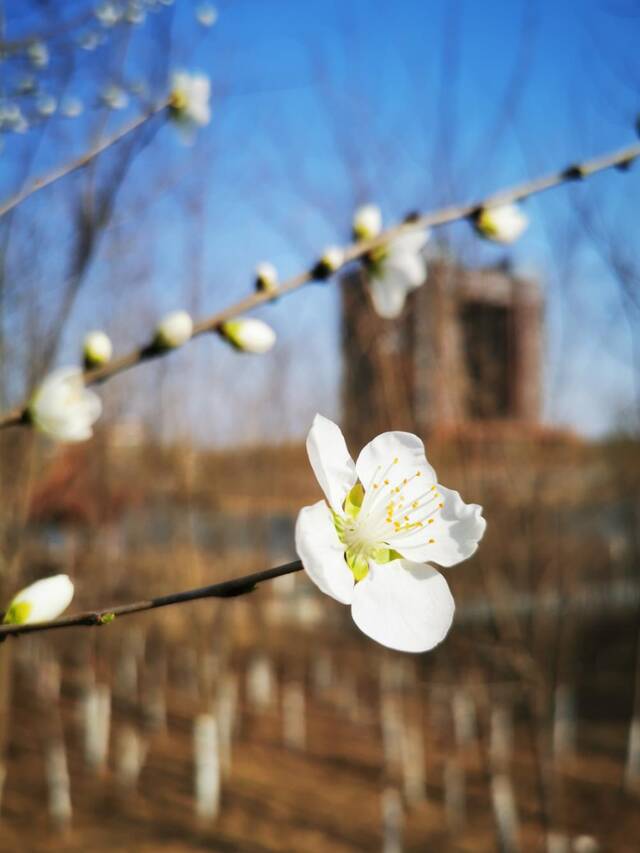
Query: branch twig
[
  {"x": 224, "y": 589},
  {"x": 620, "y": 159},
  {"x": 51, "y": 177}
]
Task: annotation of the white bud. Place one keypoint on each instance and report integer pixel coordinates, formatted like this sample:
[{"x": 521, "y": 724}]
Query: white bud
[
  {"x": 63, "y": 407},
  {"x": 41, "y": 601},
  {"x": 206, "y": 15},
  {"x": 266, "y": 277},
  {"x": 249, "y": 335},
  {"x": 502, "y": 224},
  {"x": 332, "y": 259},
  {"x": 367, "y": 222},
  {"x": 97, "y": 348},
  {"x": 174, "y": 330}
]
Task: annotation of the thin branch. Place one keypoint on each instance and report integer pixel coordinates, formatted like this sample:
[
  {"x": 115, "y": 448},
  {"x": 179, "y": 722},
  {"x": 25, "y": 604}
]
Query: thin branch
[
  {"x": 577, "y": 171},
  {"x": 51, "y": 177},
  {"x": 224, "y": 589}
]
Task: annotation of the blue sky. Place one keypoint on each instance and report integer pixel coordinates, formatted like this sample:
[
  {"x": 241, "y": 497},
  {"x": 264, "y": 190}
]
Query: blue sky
[{"x": 321, "y": 105}]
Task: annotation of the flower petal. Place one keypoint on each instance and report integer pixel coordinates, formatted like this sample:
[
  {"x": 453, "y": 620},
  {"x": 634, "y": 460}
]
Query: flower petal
[
  {"x": 322, "y": 553},
  {"x": 380, "y": 454},
  {"x": 452, "y": 535},
  {"x": 403, "y": 605},
  {"x": 330, "y": 460},
  {"x": 388, "y": 292}
]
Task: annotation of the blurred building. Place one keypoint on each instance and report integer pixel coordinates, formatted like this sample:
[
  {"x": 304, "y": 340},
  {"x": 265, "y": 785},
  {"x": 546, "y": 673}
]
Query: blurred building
[{"x": 464, "y": 356}]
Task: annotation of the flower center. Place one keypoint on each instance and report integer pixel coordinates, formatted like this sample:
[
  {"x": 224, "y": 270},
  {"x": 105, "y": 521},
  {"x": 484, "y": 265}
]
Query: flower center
[{"x": 381, "y": 516}]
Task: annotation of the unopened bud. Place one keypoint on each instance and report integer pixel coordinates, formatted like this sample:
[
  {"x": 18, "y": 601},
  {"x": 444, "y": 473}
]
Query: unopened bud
[
  {"x": 266, "y": 277},
  {"x": 174, "y": 330},
  {"x": 97, "y": 349},
  {"x": 330, "y": 261},
  {"x": 249, "y": 335},
  {"x": 367, "y": 222},
  {"x": 40, "y": 602}
]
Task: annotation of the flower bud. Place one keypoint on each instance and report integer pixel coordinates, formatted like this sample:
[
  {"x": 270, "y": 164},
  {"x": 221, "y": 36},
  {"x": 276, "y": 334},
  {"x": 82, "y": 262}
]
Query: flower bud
[
  {"x": 367, "y": 222},
  {"x": 330, "y": 261},
  {"x": 97, "y": 349},
  {"x": 266, "y": 277},
  {"x": 502, "y": 224},
  {"x": 174, "y": 330},
  {"x": 249, "y": 335},
  {"x": 41, "y": 601}
]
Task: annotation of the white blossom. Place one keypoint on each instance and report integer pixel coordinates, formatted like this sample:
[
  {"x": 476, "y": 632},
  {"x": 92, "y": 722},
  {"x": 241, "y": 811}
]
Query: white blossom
[
  {"x": 63, "y": 407},
  {"x": 206, "y": 14},
  {"x": 46, "y": 105},
  {"x": 502, "y": 224},
  {"x": 367, "y": 222},
  {"x": 266, "y": 277},
  {"x": 330, "y": 261},
  {"x": 189, "y": 100},
  {"x": 41, "y": 601},
  {"x": 395, "y": 269},
  {"x": 174, "y": 330},
  {"x": 97, "y": 348},
  {"x": 38, "y": 54},
  {"x": 114, "y": 97},
  {"x": 108, "y": 14},
  {"x": 385, "y": 519},
  {"x": 71, "y": 107},
  {"x": 249, "y": 335}
]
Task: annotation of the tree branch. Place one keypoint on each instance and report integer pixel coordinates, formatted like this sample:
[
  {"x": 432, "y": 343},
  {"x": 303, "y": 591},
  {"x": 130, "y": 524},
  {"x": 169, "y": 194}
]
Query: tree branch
[
  {"x": 51, "y": 177},
  {"x": 621, "y": 159},
  {"x": 224, "y": 589}
]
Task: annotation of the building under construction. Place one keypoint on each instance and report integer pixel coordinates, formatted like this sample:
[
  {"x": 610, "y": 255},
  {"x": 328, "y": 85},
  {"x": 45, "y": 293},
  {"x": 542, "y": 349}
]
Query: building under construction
[{"x": 465, "y": 356}]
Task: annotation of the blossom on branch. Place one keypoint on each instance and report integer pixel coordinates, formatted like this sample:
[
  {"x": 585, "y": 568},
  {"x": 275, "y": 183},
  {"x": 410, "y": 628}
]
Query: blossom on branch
[
  {"x": 96, "y": 348},
  {"x": 41, "y": 601},
  {"x": 63, "y": 407},
  {"x": 189, "y": 101},
  {"x": 367, "y": 222},
  {"x": 393, "y": 269},
  {"x": 385, "y": 519},
  {"x": 249, "y": 335},
  {"x": 174, "y": 330},
  {"x": 502, "y": 224},
  {"x": 266, "y": 277},
  {"x": 329, "y": 262}
]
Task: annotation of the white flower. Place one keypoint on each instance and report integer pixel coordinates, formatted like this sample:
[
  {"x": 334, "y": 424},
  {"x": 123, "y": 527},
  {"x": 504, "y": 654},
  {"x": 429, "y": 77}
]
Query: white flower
[
  {"x": 384, "y": 517},
  {"x": 38, "y": 54},
  {"x": 189, "y": 100},
  {"x": 249, "y": 335},
  {"x": 71, "y": 107},
  {"x": 206, "y": 14},
  {"x": 46, "y": 105},
  {"x": 502, "y": 224},
  {"x": 174, "y": 330},
  {"x": 394, "y": 269},
  {"x": 40, "y": 602},
  {"x": 63, "y": 407},
  {"x": 367, "y": 222},
  {"x": 115, "y": 97},
  {"x": 108, "y": 14},
  {"x": 266, "y": 277},
  {"x": 134, "y": 13},
  {"x": 96, "y": 348}
]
